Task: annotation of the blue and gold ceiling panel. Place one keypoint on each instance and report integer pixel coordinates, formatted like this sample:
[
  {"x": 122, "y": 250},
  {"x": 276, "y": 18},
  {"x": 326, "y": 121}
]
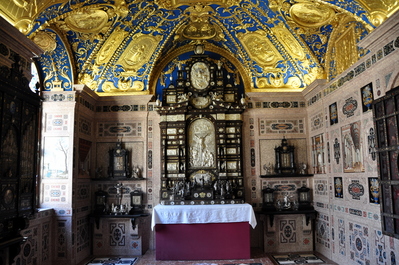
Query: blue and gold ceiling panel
[{"x": 115, "y": 46}]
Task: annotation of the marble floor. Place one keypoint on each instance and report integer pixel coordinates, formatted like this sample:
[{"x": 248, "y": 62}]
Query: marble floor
[{"x": 257, "y": 256}]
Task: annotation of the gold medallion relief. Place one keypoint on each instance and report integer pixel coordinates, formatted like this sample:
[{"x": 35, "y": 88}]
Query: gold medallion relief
[
  {"x": 87, "y": 21},
  {"x": 45, "y": 41},
  {"x": 109, "y": 47},
  {"x": 138, "y": 52},
  {"x": 289, "y": 42},
  {"x": 309, "y": 14},
  {"x": 260, "y": 48}
]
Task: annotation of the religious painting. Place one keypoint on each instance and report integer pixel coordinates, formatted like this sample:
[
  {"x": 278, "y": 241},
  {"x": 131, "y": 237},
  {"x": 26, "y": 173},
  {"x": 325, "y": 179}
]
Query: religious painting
[
  {"x": 374, "y": 190},
  {"x": 318, "y": 154},
  {"x": 338, "y": 187},
  {"x": 202, "y": 146},
  {"x": 367, "y": 97},
  {"x": 333, "y": 113},
  {"x": 371, "y": 144},
  {"x": 352, "y": 148},
  {"x": 337, "y": 150}
]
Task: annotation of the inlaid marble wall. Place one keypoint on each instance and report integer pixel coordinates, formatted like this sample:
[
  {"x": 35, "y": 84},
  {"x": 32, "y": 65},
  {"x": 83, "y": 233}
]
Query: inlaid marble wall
[
  {"x": 348, "y": 228},
  {"x": 38, "y": 247}
]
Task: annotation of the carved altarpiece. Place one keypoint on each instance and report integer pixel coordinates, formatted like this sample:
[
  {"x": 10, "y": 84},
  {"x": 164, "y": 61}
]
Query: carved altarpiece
[{"x": 201, "y": 130}]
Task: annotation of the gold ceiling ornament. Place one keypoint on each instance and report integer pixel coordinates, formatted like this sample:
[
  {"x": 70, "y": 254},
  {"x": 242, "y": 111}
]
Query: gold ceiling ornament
[
  {"x": 87, "y": 20},
  {"x": 288, "y": 40},
  {"x": 138, "y": 52},
  {"x": 346, "y": 52},
  {"x": 88, "y": 80},
  {"x": 130, "y": 86},
  {"x": 24, "y": 25},
  {"x": 343, "y": 39},
  {"x": 110, "y": 46},
  {"x": 311, "y": 14},
  {"x": 199, "y": 26},
  {"x": 173, "y": 4},
  {"x": 275, "y": 83},
  {"x": 46, "y": 41},
  {"x": 377, "y": 17},
  {"x": 314, "y": 73},
  {"x": 260, "y": 48},
  {"x": 123, "y": 86},
  {"x": 379, "y": 10}
]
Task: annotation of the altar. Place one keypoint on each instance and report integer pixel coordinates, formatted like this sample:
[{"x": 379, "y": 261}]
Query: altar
[{"x": 203, "y": 232}]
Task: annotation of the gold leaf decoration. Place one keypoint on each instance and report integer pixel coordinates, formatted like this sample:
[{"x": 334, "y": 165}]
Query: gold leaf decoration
[
  {"x": 87, "y": 21},
  {"x": 138, "y": 52},
  {"x": 260, "y": 48},
  {"x": 310, "y": 14}
]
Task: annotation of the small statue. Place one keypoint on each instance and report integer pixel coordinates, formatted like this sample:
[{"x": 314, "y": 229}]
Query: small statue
[
  {"x": 302, "y": 168},
  {"x": 287, "y": 202},
  {"x": 269, "y": 169},
  {"x": 136, "y": 173}
]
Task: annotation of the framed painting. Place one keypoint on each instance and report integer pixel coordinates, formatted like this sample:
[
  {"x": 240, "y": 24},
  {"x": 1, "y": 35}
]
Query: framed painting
[
  {"x": 367, "y": 97},
  {"x": 333, "y": 113},
  {"x": 352, "y": 148}
]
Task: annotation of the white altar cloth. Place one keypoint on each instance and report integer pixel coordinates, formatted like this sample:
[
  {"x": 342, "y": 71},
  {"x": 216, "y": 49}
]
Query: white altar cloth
[{"x": 203, "y": 214}]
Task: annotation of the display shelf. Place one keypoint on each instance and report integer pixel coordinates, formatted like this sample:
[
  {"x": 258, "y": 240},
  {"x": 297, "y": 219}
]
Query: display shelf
[
  {"x": 287, "y": 176},
  {"x": 118, "y": 179},
  {"x": 310, "y": 214},
  {"x": 132, "y": 217}
]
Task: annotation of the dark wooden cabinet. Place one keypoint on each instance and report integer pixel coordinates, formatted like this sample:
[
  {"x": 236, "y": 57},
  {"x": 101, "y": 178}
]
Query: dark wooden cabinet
[
  {"x": 386, "y": 120},
  {"x": 201, "y": 133},
  {"x": 19, "y": 129}
]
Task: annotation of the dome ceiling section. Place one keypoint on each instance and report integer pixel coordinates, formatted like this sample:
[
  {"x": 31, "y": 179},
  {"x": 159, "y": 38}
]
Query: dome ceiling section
[{"x": 282, "y": 44}]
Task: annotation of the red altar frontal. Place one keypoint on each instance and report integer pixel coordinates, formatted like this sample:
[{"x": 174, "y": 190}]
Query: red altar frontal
[{"x": 203, "y": 232}]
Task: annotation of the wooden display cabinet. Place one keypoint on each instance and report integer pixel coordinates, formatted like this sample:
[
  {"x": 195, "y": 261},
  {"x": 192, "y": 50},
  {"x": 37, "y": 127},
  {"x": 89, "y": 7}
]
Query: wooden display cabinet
[
  {"x": 386, "y": 119},
  {"x": 201, "y": 132}
]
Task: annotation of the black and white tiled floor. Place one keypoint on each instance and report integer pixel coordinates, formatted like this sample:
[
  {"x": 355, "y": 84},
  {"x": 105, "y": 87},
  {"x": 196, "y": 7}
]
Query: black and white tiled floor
[
  {"x": 112, "y": 261},
  {"x": 149, "y": 258}
]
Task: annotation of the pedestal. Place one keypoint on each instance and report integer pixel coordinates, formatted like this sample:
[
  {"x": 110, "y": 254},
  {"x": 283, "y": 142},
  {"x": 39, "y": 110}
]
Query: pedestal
[
  {"x": 288, "y": 231},
  {"x": 120, "y": 235}
]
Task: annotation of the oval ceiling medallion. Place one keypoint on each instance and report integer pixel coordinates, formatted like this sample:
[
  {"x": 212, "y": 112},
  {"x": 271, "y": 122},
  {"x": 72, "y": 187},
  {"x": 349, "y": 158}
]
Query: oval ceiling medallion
[
  {"x": 45, "y": 41},
  {"x": 311, "y": 14},
  {"x": 88, "y": 21}
]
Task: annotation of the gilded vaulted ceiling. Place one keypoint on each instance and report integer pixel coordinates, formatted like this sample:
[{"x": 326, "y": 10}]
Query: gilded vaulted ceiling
[{"x": 136, "y": 46}]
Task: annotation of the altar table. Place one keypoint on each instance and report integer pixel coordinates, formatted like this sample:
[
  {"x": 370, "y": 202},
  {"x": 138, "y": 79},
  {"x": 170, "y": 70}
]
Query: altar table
[{"x": 203, "y": 232}]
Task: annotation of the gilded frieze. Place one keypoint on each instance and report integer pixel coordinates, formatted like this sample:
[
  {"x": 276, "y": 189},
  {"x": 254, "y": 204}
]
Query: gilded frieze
[
  {"x": 260, "y": 48},
  {"x": 138, "y": 52},
  {"x": 123, "y": 86},
  {"x": 276, "y": 81},
  {"x": 172, "y": 4}
]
